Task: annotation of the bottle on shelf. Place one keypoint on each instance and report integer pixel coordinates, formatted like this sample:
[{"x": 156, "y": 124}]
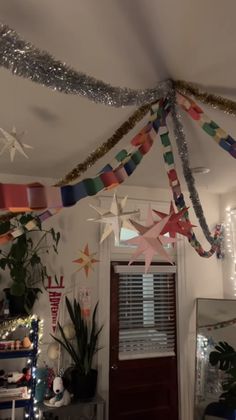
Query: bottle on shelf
[{"x": 6, "y": 311}]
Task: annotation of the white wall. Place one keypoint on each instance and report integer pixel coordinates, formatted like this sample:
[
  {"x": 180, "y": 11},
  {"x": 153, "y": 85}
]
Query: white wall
[
  {"x": 197, "y": 277},
  {"x": 228, "y": 200}
]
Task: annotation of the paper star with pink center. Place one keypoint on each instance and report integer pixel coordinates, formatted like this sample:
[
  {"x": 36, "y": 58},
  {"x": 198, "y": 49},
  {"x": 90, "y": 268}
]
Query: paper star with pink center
[
  {"x": 150, "y": 241},
  {"x": 86, "y": 260}
]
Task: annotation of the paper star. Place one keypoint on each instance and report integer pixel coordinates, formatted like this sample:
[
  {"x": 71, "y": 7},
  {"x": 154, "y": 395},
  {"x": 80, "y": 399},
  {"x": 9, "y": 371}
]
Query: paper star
[
  {"x": 13, "y": 143},
  {"x": 114, "y": 219},
  {"x": 176, "y": 224},
  {"x": 150, "y": 241},
  {"x": 86, "y": 260}
]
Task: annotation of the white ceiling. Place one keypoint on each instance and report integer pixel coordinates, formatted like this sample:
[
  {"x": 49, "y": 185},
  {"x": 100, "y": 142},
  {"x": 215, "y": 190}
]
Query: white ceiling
[{"x": 133, "y": 43}]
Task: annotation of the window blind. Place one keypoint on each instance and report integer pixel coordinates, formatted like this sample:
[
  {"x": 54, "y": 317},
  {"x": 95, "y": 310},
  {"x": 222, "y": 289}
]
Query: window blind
[{"x": 146, "y": 314}]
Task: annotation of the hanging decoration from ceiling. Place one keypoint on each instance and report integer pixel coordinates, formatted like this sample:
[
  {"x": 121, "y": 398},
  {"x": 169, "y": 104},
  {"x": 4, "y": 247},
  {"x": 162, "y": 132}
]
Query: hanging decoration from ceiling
[
  {"x": 12, "y": 143},
  {"x": 150, "y": 241},
  {"x": 114, "y": 218},
  {"x": 37, "y": 195},
  {"x": 189, "y": 178},
  {"x": 105, "y": 147},
  {"x": 17, "y": 197},
  {"x": 24, "y": 60},
  {"x": 179, "y": 198},
  {"x": 215, "y": 101},
  {"x": 176, "y": 223},
  {"x": 86, "y": 260},
  {"x": 223, "y": 139}
]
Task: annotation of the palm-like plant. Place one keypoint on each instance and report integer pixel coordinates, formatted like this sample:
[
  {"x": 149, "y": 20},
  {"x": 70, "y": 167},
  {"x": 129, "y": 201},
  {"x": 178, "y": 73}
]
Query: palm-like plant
[
  {"x": 85, "y": 346},
  {"x": 225, "y": 357}
]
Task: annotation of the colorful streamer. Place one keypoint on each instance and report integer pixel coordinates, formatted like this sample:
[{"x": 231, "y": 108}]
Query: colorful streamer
[
  {"x": 176, "y": 188},
  {"x": 223, "y": 139},
  {"x": 17, "y": 197}
]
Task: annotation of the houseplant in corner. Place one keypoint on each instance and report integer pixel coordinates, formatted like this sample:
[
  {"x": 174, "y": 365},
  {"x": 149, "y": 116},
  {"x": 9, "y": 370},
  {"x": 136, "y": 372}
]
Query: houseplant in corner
[
  {"x": 24, "y": 261},
  {"x": 224, "y": 357},
  {"x": 82, "y": 350}
]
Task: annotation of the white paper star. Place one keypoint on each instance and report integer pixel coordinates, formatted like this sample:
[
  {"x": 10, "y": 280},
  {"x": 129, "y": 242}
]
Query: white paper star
[
  {"x": 13, "y": 143},
  {"x": 114, "y": 219}
]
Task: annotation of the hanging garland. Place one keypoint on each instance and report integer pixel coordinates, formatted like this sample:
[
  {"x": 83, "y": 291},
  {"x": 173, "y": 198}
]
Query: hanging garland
[
  {"x": 17, "y": 197},
  {"x": 176, "y": 188},
  {"x": 189, "y": 178},
  {"x": 215, "y": 101},
  {"x": 223, "y": 139},
  {"x": 106, "y": 146},
  {"x": 23, "y": 59}
]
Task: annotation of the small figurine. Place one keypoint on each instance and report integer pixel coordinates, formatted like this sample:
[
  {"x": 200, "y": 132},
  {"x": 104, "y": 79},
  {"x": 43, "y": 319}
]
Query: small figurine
[
  {"x": 26, "y": 343},
  {"x": 62, "y": 395},
  {"x": 25, "y": 378}
]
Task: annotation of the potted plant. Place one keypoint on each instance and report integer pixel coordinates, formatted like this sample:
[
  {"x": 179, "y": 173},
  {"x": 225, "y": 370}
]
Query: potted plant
[
  {"x": 224, "y": 356},
  {"x": 24, "y": 260},
  {"x": 82, "y": 350}
]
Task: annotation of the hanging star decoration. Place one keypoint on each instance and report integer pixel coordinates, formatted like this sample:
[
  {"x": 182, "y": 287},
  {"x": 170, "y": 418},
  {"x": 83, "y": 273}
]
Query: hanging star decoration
[
  {"x": 176, "y": 223},
  {"x": 12, "y": 142},
  {"x": 114, "y": 219},
  {"x": 150, "y": 241},
  {"x": 86, "y": 260}
]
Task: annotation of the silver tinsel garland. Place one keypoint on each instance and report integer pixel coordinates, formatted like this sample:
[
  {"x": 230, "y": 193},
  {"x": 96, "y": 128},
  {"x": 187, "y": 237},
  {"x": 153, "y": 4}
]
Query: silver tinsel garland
[
  {"x": 24, "y": 60},
  {"x": 189, "y": 178}
]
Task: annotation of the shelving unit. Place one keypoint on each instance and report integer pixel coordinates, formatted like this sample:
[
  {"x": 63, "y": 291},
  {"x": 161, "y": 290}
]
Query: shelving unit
[{"x": 33, "y": 323}]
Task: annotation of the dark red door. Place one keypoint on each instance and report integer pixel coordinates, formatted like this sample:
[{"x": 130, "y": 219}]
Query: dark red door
[{"x": 143, "y": 386}]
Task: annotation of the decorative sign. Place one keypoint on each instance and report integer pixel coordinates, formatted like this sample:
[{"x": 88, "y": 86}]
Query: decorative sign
[{"x": 54, "y": 298}]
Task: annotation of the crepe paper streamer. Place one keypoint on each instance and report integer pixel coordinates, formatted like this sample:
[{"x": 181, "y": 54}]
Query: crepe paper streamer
[
  {"x": 177, "y": 193},
  {"x": 223, "y": 139},
  {"x": 54, "y": 299},
  {"x": 17, "y": 197}
]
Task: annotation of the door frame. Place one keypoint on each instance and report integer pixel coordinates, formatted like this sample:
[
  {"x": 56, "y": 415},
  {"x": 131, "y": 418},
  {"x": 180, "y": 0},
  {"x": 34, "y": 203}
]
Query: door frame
[{"x": 182, "y": 293}]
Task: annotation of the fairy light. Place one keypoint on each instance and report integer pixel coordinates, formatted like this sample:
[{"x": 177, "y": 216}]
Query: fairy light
[{"x": 230, "y": 230}]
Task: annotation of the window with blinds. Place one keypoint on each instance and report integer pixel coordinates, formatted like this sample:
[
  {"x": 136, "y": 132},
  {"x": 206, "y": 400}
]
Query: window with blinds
[{"x": 146, "y": 312}]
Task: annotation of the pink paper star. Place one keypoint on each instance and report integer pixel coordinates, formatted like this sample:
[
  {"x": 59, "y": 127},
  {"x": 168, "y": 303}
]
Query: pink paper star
[
  {"x": 150, "y": 241},
  {"x": 176, "y": 224}
]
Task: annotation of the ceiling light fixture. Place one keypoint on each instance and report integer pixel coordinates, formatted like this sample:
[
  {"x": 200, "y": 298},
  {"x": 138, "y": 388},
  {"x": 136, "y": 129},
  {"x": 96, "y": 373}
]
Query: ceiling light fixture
[{"x": 201, "y": 170}]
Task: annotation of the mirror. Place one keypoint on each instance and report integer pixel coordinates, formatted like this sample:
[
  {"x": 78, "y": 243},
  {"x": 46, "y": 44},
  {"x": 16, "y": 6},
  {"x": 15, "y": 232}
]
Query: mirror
[{"x": 216, "y": 322}]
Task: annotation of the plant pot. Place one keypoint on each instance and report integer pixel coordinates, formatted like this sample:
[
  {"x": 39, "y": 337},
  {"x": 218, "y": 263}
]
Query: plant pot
[
  {"x": 17, "y": 303},
  {"x": 83, "y": 387}
]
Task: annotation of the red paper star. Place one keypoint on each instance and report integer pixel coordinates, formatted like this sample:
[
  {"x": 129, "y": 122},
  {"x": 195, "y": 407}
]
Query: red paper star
[
  {"x": 176, "y": 224},
  {"x": 86, "y": 260}
]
